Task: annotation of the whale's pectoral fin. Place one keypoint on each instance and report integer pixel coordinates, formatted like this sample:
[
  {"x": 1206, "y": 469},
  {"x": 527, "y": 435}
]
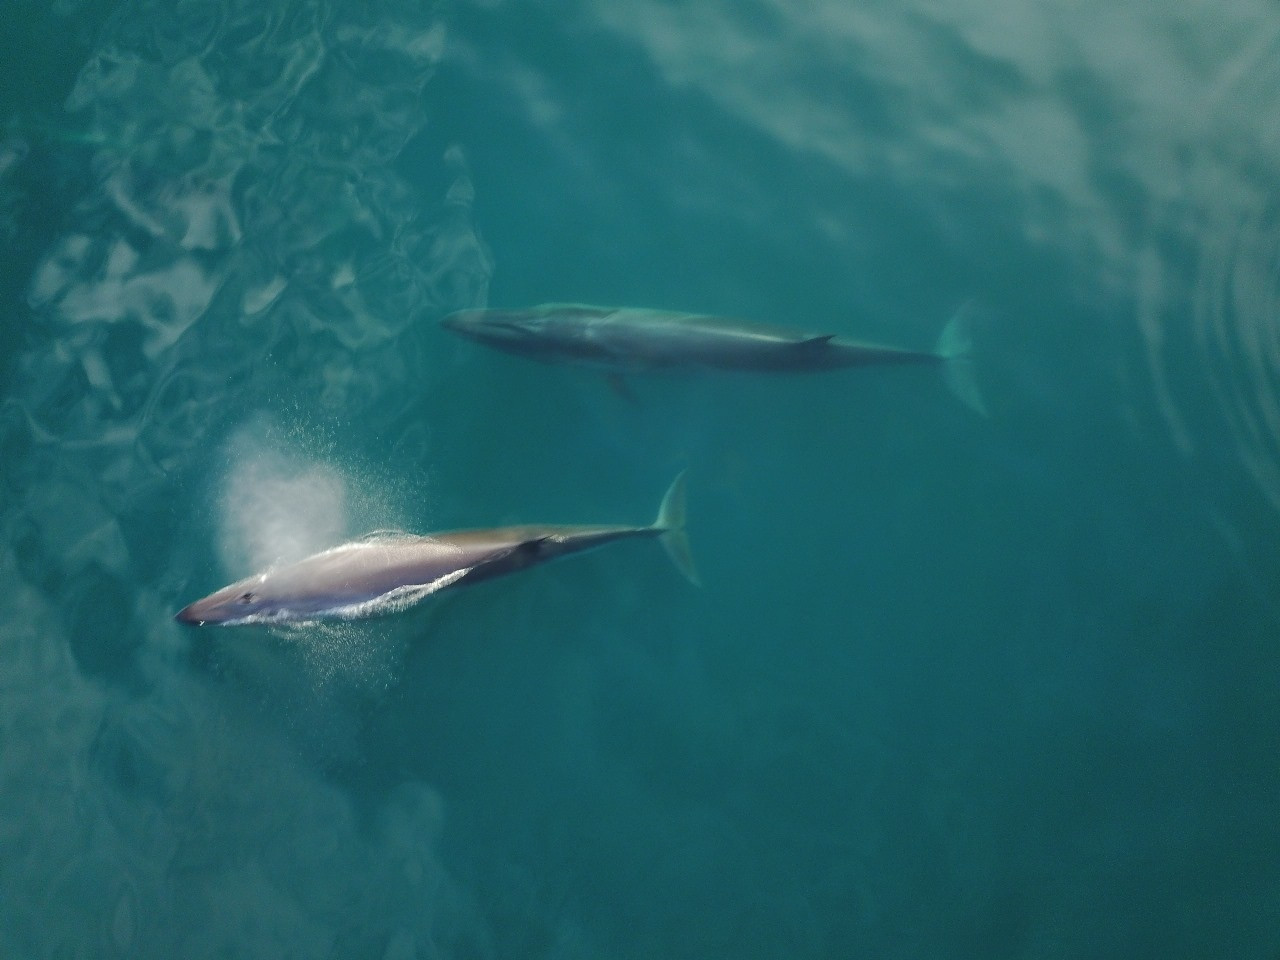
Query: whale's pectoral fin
[
  {"x": 621, "y": 387},
  {"x": 531, "y": 551}
]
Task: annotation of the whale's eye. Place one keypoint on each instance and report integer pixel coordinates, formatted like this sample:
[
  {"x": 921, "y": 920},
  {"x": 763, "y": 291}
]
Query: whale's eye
[{"x": 247, "y": 598}]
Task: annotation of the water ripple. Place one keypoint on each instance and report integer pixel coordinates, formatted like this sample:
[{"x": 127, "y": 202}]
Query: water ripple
[{"x": 1208, "y": 291}]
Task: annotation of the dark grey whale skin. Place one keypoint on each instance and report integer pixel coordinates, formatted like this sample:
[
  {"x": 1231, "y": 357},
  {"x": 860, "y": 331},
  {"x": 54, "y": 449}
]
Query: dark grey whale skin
[
  {"x": 631, "y": 340},
  {"x": 637, "y": 340}
]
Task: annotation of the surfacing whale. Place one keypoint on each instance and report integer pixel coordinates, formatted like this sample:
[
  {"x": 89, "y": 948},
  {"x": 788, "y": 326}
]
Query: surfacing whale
[{"x": 387, "y": 572}]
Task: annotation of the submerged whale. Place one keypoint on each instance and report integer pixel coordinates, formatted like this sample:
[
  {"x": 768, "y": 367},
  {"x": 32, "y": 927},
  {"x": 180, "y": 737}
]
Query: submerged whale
[
  {"x": 387, "y": 572},
  {"x": 625, "y": 340}
]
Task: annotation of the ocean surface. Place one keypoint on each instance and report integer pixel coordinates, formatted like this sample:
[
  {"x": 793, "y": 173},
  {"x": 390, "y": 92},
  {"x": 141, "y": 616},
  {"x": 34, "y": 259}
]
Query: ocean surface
[{"x": 953, "y": 686}]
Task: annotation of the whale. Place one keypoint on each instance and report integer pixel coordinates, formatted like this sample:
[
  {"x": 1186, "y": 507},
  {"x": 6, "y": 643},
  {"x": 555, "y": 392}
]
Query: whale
[
  {"x": 388, "y": 572},
  {"x": 630, "y": 340}
]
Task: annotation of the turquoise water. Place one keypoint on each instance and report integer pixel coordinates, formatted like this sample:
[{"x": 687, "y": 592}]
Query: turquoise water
[{"x": 953, "y": 686}]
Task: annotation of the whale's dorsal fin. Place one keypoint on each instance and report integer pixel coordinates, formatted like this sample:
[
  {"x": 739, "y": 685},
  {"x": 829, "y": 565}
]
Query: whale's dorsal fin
[{"x": 815, "y": 343}]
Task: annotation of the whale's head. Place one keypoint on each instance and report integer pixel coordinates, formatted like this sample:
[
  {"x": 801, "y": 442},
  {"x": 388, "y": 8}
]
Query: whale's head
[
  {"x": 504, "y": 329},
  {"x": 551, "y": 331},
  {"x": 246, "y": 601}
]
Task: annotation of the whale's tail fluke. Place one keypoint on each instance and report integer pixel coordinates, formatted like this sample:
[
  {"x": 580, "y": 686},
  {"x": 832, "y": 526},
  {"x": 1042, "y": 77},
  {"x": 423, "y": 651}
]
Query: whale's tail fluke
[
  {"x": 671, "y": 524},
  {"x": 955, "y": 349}
]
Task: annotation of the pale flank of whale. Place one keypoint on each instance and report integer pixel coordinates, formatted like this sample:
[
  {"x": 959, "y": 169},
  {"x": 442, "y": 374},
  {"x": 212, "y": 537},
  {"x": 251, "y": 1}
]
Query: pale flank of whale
[
  {"x": 388, "y": 572},
  {"x": 624, "y": 340}
]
